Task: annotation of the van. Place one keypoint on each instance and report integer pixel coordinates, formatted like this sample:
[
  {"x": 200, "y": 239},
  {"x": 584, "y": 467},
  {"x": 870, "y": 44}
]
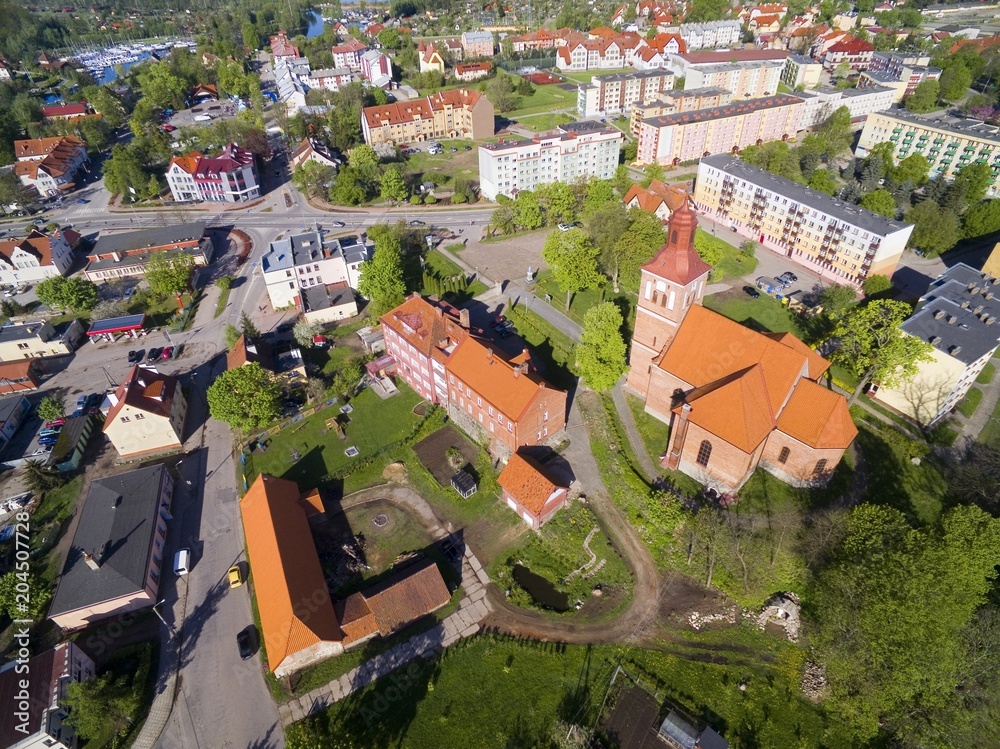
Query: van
[
  {"x": 203, "y": 118},
  {"x": 182, "y": 562}
]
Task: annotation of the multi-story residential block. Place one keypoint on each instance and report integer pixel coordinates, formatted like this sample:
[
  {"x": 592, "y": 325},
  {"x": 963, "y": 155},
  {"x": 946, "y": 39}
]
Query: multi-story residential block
[
  {"x": 895, "y": 62},
  {"x": 841, "y": 241},
  {"x": 947, "y": 144},
  {"x": 575, "y": 150},
  {"x": 49, "y": 164},
  {"x": 456, "y": 113},
  {"x": 687, "y": 136},
  {"x": 430, "y": 59},
  {"x": 801, "y": 71},
  {"x": 452, "y": 49},
  {"x": 903, "y": 83},
  {"x": 854, "y": 51},
  {"x": 45, "y": 709},
  {"x": 282, "y": 47},
  {"x": 14, "y": 410},
  {"x": 331, "y": 79},
  {"x": 376, "y": 68},
  {"x": 36, "y": 257},
  {"x": 820, "y": 103},
  {"x": 348, "y": 54},
  {"x": 618, "y": 92},
  {"x": 600, "y": 54},
  {"x": 312, "y": 258},
  {"x": 34, "y": 340},
  {"x": 473, "y": 71},
  {"x": 544, "y": 39},
  {"x": 126, "y": 254},
  {"x": 289, "y": 78},
  {"x": 478, "y": 44},
  {"x": 228, "y": 177},
  {"x": 147, "y": 414},
  {"x": 749, "y": 74},
  {"x": 711, "y": 34},
  {"x": 958, "y": 316},
  {"x": 485, "y": 392},
  {"x": 735, "y": 399},
  {"x": 116, "y": 558},
  {"x": 678, "y": 100}
]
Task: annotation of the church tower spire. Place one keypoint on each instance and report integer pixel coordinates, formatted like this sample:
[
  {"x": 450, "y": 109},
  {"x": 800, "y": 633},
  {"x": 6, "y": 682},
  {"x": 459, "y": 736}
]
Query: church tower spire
[{"x": 671, "y": 282}]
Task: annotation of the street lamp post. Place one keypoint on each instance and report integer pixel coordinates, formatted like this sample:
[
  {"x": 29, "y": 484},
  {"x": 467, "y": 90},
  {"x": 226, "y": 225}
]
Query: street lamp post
[{"x": 159, "y": 616}]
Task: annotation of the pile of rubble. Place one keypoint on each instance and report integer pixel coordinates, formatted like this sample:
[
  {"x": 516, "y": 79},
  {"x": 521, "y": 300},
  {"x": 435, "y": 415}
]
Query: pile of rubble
[
  {"x": 698, "y": 620},
  {"x": 783, "y": 609}
]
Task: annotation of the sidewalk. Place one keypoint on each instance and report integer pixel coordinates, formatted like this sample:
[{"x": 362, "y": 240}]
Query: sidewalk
[
  {"x": 632, "y": 431},
  {"x": 463, "y": 623}
]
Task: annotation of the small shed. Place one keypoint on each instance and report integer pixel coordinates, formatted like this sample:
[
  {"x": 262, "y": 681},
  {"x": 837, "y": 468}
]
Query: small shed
[
  {"x": 372, "y": 339},
  {"x": 130, "y": 325},
  {"x": 464, "y": 484},
  {"x": 384, "y": 365}
]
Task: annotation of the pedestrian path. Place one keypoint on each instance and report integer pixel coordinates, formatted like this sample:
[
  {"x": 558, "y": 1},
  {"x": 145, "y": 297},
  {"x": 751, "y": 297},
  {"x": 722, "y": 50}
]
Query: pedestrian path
[
  {"x": 632, "y": 431},
  {"x": 465, "y": 622}
]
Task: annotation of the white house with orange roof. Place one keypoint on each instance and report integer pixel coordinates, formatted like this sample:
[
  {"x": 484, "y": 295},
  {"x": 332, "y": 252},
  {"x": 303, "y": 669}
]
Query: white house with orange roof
[
  {"x": 530, "y": 491},
  {"x": 659, "y": 198},
  {"x": 147, "y": 414},
  {"x": 49, "y": 164},
  {"x": 36, "y": 257},
  {"x": 430, "y": 59}
]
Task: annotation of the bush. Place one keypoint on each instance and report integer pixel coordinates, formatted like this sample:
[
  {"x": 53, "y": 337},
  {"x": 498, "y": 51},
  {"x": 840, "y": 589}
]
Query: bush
[
  {"x": 876, "y": 285},
  {"x": 416, "y": 200},
  {"x": 458, "y": 198},
  {"x": 225, "y": 283},
  {"x": 430, "y": 200}
]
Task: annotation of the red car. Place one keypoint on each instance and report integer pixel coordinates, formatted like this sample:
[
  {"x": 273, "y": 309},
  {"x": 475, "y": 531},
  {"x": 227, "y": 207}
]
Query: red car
[{"x": 168, "y": 128}]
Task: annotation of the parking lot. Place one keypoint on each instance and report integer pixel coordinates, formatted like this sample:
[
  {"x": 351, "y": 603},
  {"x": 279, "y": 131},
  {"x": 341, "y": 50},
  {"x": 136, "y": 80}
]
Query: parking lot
[{"x": 215, "y": 110}]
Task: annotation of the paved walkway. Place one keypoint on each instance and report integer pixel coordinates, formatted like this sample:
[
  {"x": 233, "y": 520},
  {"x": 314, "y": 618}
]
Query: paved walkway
[
  {"x": 628, "y": 420},
  {"x": 991, "y": 396},
  {"x": 463, "y": 623}
]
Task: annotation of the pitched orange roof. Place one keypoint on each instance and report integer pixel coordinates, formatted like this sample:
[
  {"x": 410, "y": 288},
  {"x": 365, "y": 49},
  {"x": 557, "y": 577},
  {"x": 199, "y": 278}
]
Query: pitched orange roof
[
  {"x": 188, "y": 162},
  {"x": 245, "y": 352},
  {"x": 428, "y": 326},
  {"x": 510, "y": 389},
  {"x": 26, "y": 149},
  {"x": 818, "y": 417},
  {"x": 356, "y": 619},
  {"x": 407, "y": 596},
  {"x": 657, "y": 194},
  {"x": 604, "y": 32},
  {"x": 735, "y": 408},
  {"x": 765, "y": 20},
  {"x": 36, "y": 243},
  {"x": 294, "y": 602},
  {"x": 407, "y": 111},
  {"x": 817, "y": 364},
  {"x": 145, "y": 390},
  {"x": 525, "y": 480}
]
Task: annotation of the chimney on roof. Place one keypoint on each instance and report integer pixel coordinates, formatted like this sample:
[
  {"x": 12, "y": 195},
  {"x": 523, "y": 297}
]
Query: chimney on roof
[
  {"x": 463, "y": 318},
  {"x": 489, "y": 355},
  {"x": 954, "y": 350},
  {"x": 952, "y": 319},
  {"x": 938, "y": 314},
  {"x": 88, "y": 558}
]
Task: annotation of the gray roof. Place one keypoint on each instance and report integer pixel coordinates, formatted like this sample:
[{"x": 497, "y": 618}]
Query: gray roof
[
  {"x": 630, "y": 76},
  {"x": 22, "y": 331},
  {"x": 8, "y": 405},
  {"x": 961, "y": 128},
  {"x": 204, "y": 249},
  {"x": 323, "y": 297},
  {"x": 721, "y": 67},
  {"x": 478, "y": 36},
  {"x": 158, "y": 237},
  {"x": 882, "y": 77},
  {"x": 116, "y": 527},
  {"x": 838, "y": 209},
  {"x": 802, "y": 60},
  {"x": 311, "y": 246},
  {"x": 956, "y": 318},
  {"x": 329, "y": 72}
]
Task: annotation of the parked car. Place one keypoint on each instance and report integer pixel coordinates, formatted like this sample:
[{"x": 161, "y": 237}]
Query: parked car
[
  {"x": 168, "y": 353},
  {"x": 468, "y": 148},
  {"x": 417, "y": 222},
  {"x": 135, "y": 356},
  {"x": 338, "y": 224},
  {"x": 235, "y": 576},
  {"x": 154, "y": 354},
  {"x": 81, "y": 402},
  {"x": 50, "y": 440},
  {"x": 784, "y": 283},
  {"x": 169, "y": 128},
  {"x": 245, "y": 641},
  {"x": 508, "y": 331},
  {"x": 751, "y": 292},
  {"x": 288, "y": 200},
  {"x": 453, "y": 149},
  {"x": 789, "y": 276},
  {"x": 55, "y": 423},
  {"x": 50, "y": 432},
  {"x": 567, "y": 227}
]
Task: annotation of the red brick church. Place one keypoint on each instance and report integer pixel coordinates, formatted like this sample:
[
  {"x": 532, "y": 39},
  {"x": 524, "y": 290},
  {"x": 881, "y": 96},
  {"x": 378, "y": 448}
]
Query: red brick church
[{"x": 734, "y": 398}]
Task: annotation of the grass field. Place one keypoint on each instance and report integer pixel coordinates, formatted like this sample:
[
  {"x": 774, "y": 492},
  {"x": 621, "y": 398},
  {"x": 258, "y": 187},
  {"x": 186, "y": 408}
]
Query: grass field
[
  {"x": 375, "y": 424},
  {"x": 986, "y": 376},
  {"x": 584, "y": 300},
  {"x": 545, "y": 99},
  {"x": 733, "y": 264},
  {"x": 442, "y": 168},
  {"x": 492, "y": 691},
  {"x": 765, "y": 314},
  {"x": 542, "y": 122},
  {"x": 970, "y": 402},
  {"x": 654, "y": 432},
  {"x": 991, "y": 432}
]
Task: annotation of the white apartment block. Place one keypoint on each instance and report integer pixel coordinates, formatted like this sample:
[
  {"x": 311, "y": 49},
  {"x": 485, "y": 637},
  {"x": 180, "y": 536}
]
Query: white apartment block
[
  {"x": 304, "y": 260},
  {"x": 842, "y": 242},
  {"x": 579, "y": 149},
  {"x": 820, "y": 103},
  {"x": 36, "y": 257},
  {"x": 616, "y": 93},
  {"x": 958, "y": 316},
  {"x": 711, "y": 34}
]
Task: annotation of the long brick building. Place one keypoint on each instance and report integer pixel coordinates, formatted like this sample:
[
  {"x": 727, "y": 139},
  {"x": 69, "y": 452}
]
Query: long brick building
[
  {"x": 735, "y": 399},
  {"x": 458, "y": 113}
]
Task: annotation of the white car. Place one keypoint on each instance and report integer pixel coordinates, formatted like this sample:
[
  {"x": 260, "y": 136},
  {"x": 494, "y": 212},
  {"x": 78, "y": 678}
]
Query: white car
[
  {"x": 567, "y": 227},
  {"x": 203, "y": 118}
]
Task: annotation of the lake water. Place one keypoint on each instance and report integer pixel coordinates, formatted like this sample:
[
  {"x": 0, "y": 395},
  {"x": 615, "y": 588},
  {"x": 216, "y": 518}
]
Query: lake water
[
  {"x": 109, "y": 74},
  {"x": 315, "y": 27},
  {"x": 544, "y": 592}
]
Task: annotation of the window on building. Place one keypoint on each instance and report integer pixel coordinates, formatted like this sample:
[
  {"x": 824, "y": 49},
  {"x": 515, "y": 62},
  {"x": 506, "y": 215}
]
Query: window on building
[
  {"x": 125, "y": 418},
  {"x": 140, "y": 416},
  {"x": 704, "y": 453},
  {"x": 820, "y": 468},
  {"x": 783, "y": 455}
]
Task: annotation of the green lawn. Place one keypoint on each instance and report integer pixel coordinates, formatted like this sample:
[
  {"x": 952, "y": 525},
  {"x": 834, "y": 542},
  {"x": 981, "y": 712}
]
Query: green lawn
[
  {"x": 494, "y": 691},
  {"x": 986, "y": 376},
  {"x": 584, "y": 300},
  {"x": 991, "y": 432},
  {"x": 556, "y": 552},
  {"x": 47, "y": 525},
  {"x": 732, "y": 265},
  {"x": 375, "y": 424},
  {"x": 765, "y": 314},
  {"x": 542, "y": 122},
  {"x": 654, "y": 432},
  {"x": 970, "y": 402},
  {"x": 442, "y": 168},
  {"x": 435, "y": 262},
  {"x": 545, "y": 99},
  {"x": 220, "y": 306},
  {"x": 553, "y": 349}
]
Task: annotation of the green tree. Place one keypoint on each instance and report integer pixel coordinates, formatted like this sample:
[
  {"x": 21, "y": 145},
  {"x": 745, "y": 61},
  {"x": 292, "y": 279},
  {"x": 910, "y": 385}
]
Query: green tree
[
  {"x": 880, "y": 201},
  {"x": 390, "y": 38},
  {"x": 557, "y": 201},
  {"x": 50, "y": 408},
  {"x": 248, "y": 328},
  {"x": 973, "y": 180},
  {"x": 103, "y": 702},
  {"x": 600, "y": 357},
  {"x": 246, "y": 398},
  {"x": 251, "y": 39},
  {"x": 365, "y": 161},
  {"x": 654, "y": 173},
  {"x": 913, "y": 169},
  {"x": 161, "y": 87},
  {"x": 25, "y": 110},
  {"x": 224, "y": 283},
  {"x": 232, "y": 335},
  {"x": 124, "y": 172},
  {"x": 890, "y": 613},
  {"x": 381, "y": 280},
  {"x": 874, "y": 349},
  {"x": 392, "y": 185},
  {"x": 168, "y": 273},
  {"x": 637, "y": 246},
  {"x": 106, "y": 103},
  {"x": 822, "y": 181},
  {"x": 935, "y": 229},
  {"x": 527, "y": 211},
  {"x": 982, "y": 219},
  {"x": 349, "y": 188},
  {"x": 748, "y": 248},
  {"x": 40, "y": 478},
  {"x": 77, "y": 294},
  {"x": 573, "y": 260},
  {"x": 924, "y": 97},
  {"x": 877, "y": 284},
  {"x": 501, "y": 91},
  {"x": 599, "y": 193},
  {"x": 955, "y": 82},
  {"x": 39, "y": 594},
  {"x": 836, "y": 133},
  {"x": 304, "y": 332},
  {"x": 838, "y": 300}
]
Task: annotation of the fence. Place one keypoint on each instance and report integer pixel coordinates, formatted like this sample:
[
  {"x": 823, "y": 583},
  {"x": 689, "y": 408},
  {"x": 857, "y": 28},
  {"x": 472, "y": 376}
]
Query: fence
[{"x": 542, "y": 63}]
